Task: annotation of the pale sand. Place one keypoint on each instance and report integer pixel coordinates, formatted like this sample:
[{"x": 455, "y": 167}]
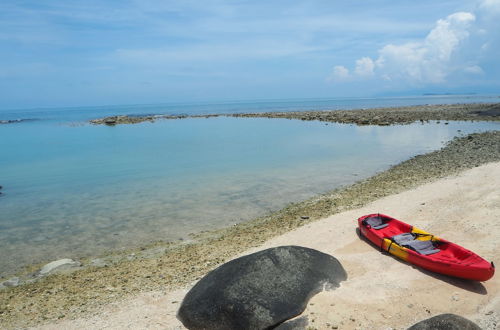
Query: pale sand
[{"x": 381, "y": 292}]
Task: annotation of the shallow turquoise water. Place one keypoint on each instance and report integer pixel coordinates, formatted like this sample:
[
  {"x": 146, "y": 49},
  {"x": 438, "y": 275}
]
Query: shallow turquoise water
[{"x": 71, "y": 191}]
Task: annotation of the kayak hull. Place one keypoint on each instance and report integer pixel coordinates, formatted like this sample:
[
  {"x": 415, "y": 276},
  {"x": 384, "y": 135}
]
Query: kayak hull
[{"x": 451, "y": 259}]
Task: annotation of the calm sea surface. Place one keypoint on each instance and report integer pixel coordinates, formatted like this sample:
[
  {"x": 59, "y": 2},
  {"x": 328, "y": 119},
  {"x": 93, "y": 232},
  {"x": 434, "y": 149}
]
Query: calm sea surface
[{"x": 76, "y": 190}]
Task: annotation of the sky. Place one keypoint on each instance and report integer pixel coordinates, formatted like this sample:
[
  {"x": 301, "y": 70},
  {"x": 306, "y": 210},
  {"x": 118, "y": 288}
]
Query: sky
[{"x": 56, "y": 53}]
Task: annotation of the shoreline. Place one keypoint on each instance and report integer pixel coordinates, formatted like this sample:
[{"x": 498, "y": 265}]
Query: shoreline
[
  {"x": 376, "y": 116},
  {"x": 164, "y": 266},
  {"x": 381, "y": 291}
]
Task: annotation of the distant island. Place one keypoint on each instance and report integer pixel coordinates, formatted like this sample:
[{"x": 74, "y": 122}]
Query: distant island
[{"x": 444, "y": 94}]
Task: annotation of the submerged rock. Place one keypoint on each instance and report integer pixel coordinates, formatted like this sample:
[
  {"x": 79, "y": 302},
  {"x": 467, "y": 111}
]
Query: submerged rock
[
  {"x": 58, "y": 265},
  {"x": 260, "y": 290},
  {"x": 98, "y": 262},
  {"x": 445, "y": 322},
  {"x": 12, "y": 282}
]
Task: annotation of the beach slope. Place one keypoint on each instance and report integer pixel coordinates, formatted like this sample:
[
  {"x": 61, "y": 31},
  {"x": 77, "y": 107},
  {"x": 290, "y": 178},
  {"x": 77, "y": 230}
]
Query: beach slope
[{"x": 381, "y": 292}]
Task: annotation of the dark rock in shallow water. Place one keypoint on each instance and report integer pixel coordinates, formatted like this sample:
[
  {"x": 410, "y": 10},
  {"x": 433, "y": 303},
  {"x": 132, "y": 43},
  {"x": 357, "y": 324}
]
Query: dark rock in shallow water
[
  {"x": 110, "y": 121},
  {"x": 494, "y": 111},
  {"x": 12, "y": 282},
  {"x": 445, "y": 322},
  {"x": 14, "y": 121},
  {"x": 260, "y": 290}
]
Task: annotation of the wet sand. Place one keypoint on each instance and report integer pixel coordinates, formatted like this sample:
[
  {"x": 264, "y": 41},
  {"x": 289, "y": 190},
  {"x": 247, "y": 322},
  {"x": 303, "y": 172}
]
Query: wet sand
[{"x": 149, "y": 272}]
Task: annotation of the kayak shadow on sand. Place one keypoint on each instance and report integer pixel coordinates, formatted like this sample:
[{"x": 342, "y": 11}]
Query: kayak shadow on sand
[{"x": 469, "y": 285}]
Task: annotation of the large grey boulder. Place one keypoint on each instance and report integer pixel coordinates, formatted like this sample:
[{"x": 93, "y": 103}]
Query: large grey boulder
[
  {"x": 445, "y": 322},
  {"x": 260, "y": 290}
]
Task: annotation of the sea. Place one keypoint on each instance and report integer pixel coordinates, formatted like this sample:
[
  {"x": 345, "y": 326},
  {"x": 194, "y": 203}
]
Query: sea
[{"x": 71, "y": 189}]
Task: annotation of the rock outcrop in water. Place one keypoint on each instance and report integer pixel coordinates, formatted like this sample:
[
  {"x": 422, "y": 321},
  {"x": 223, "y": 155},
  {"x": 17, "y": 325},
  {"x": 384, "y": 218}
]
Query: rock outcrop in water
[
  {"x": 118, "y": 120},
  {"x": 378, "y": 116},
  {"x": 260, "y": 290},
  {"x": 390, "y": 116},
  {"x": 14, "y": 121}
]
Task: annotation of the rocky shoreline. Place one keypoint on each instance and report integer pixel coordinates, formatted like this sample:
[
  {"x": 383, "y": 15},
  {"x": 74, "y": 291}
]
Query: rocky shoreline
[
  {"x": 377, "y": 116},
  {"x": 15, "y": 121},
  {"x": 165, "y": 266}
]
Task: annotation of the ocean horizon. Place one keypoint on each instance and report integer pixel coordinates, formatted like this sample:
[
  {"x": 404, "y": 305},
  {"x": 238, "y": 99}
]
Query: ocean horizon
[{"x": 85, "y": 113}]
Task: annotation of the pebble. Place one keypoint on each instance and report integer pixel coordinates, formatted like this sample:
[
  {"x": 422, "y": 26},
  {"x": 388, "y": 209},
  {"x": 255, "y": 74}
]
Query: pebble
[{"x": 304, "y": 217}]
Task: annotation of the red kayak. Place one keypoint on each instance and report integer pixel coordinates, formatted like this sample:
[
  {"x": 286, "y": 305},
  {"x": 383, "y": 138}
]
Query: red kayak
[{"x": 423, "y": 249}]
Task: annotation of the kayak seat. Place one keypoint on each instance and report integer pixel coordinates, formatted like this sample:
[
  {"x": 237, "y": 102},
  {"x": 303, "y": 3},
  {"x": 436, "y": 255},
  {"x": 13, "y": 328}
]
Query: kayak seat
[
  {"x": 375, "y": 222},
  {"x": 422, "y": 247},
  {"x": 403, "y": 238}
]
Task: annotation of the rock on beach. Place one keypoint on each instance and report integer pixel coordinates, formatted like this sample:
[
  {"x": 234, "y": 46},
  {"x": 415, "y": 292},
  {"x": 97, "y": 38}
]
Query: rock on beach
[
  {"x": 260, "y": 290},
  {"x": 445, "y": 322}
]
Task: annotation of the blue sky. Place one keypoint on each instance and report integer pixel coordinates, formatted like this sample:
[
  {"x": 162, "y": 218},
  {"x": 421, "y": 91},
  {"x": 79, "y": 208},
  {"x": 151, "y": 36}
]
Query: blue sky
[{"x": 72, "y": 53}]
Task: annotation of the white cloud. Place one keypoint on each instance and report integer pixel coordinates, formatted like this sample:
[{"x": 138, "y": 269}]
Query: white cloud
[
  {"x": 446, "y": 36},
  {"x": 426, "y": 61},
  {"x": 340, "y": 73},
  {"x": 474, "y": 69},
  {"x": 447, "y": 49},
  {"x": 490, "y": 5},
  {"x": 364, "y": 67}
]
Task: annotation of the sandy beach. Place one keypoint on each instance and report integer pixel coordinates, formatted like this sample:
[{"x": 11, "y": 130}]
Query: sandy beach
[{"x": 381, "y": 292}]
